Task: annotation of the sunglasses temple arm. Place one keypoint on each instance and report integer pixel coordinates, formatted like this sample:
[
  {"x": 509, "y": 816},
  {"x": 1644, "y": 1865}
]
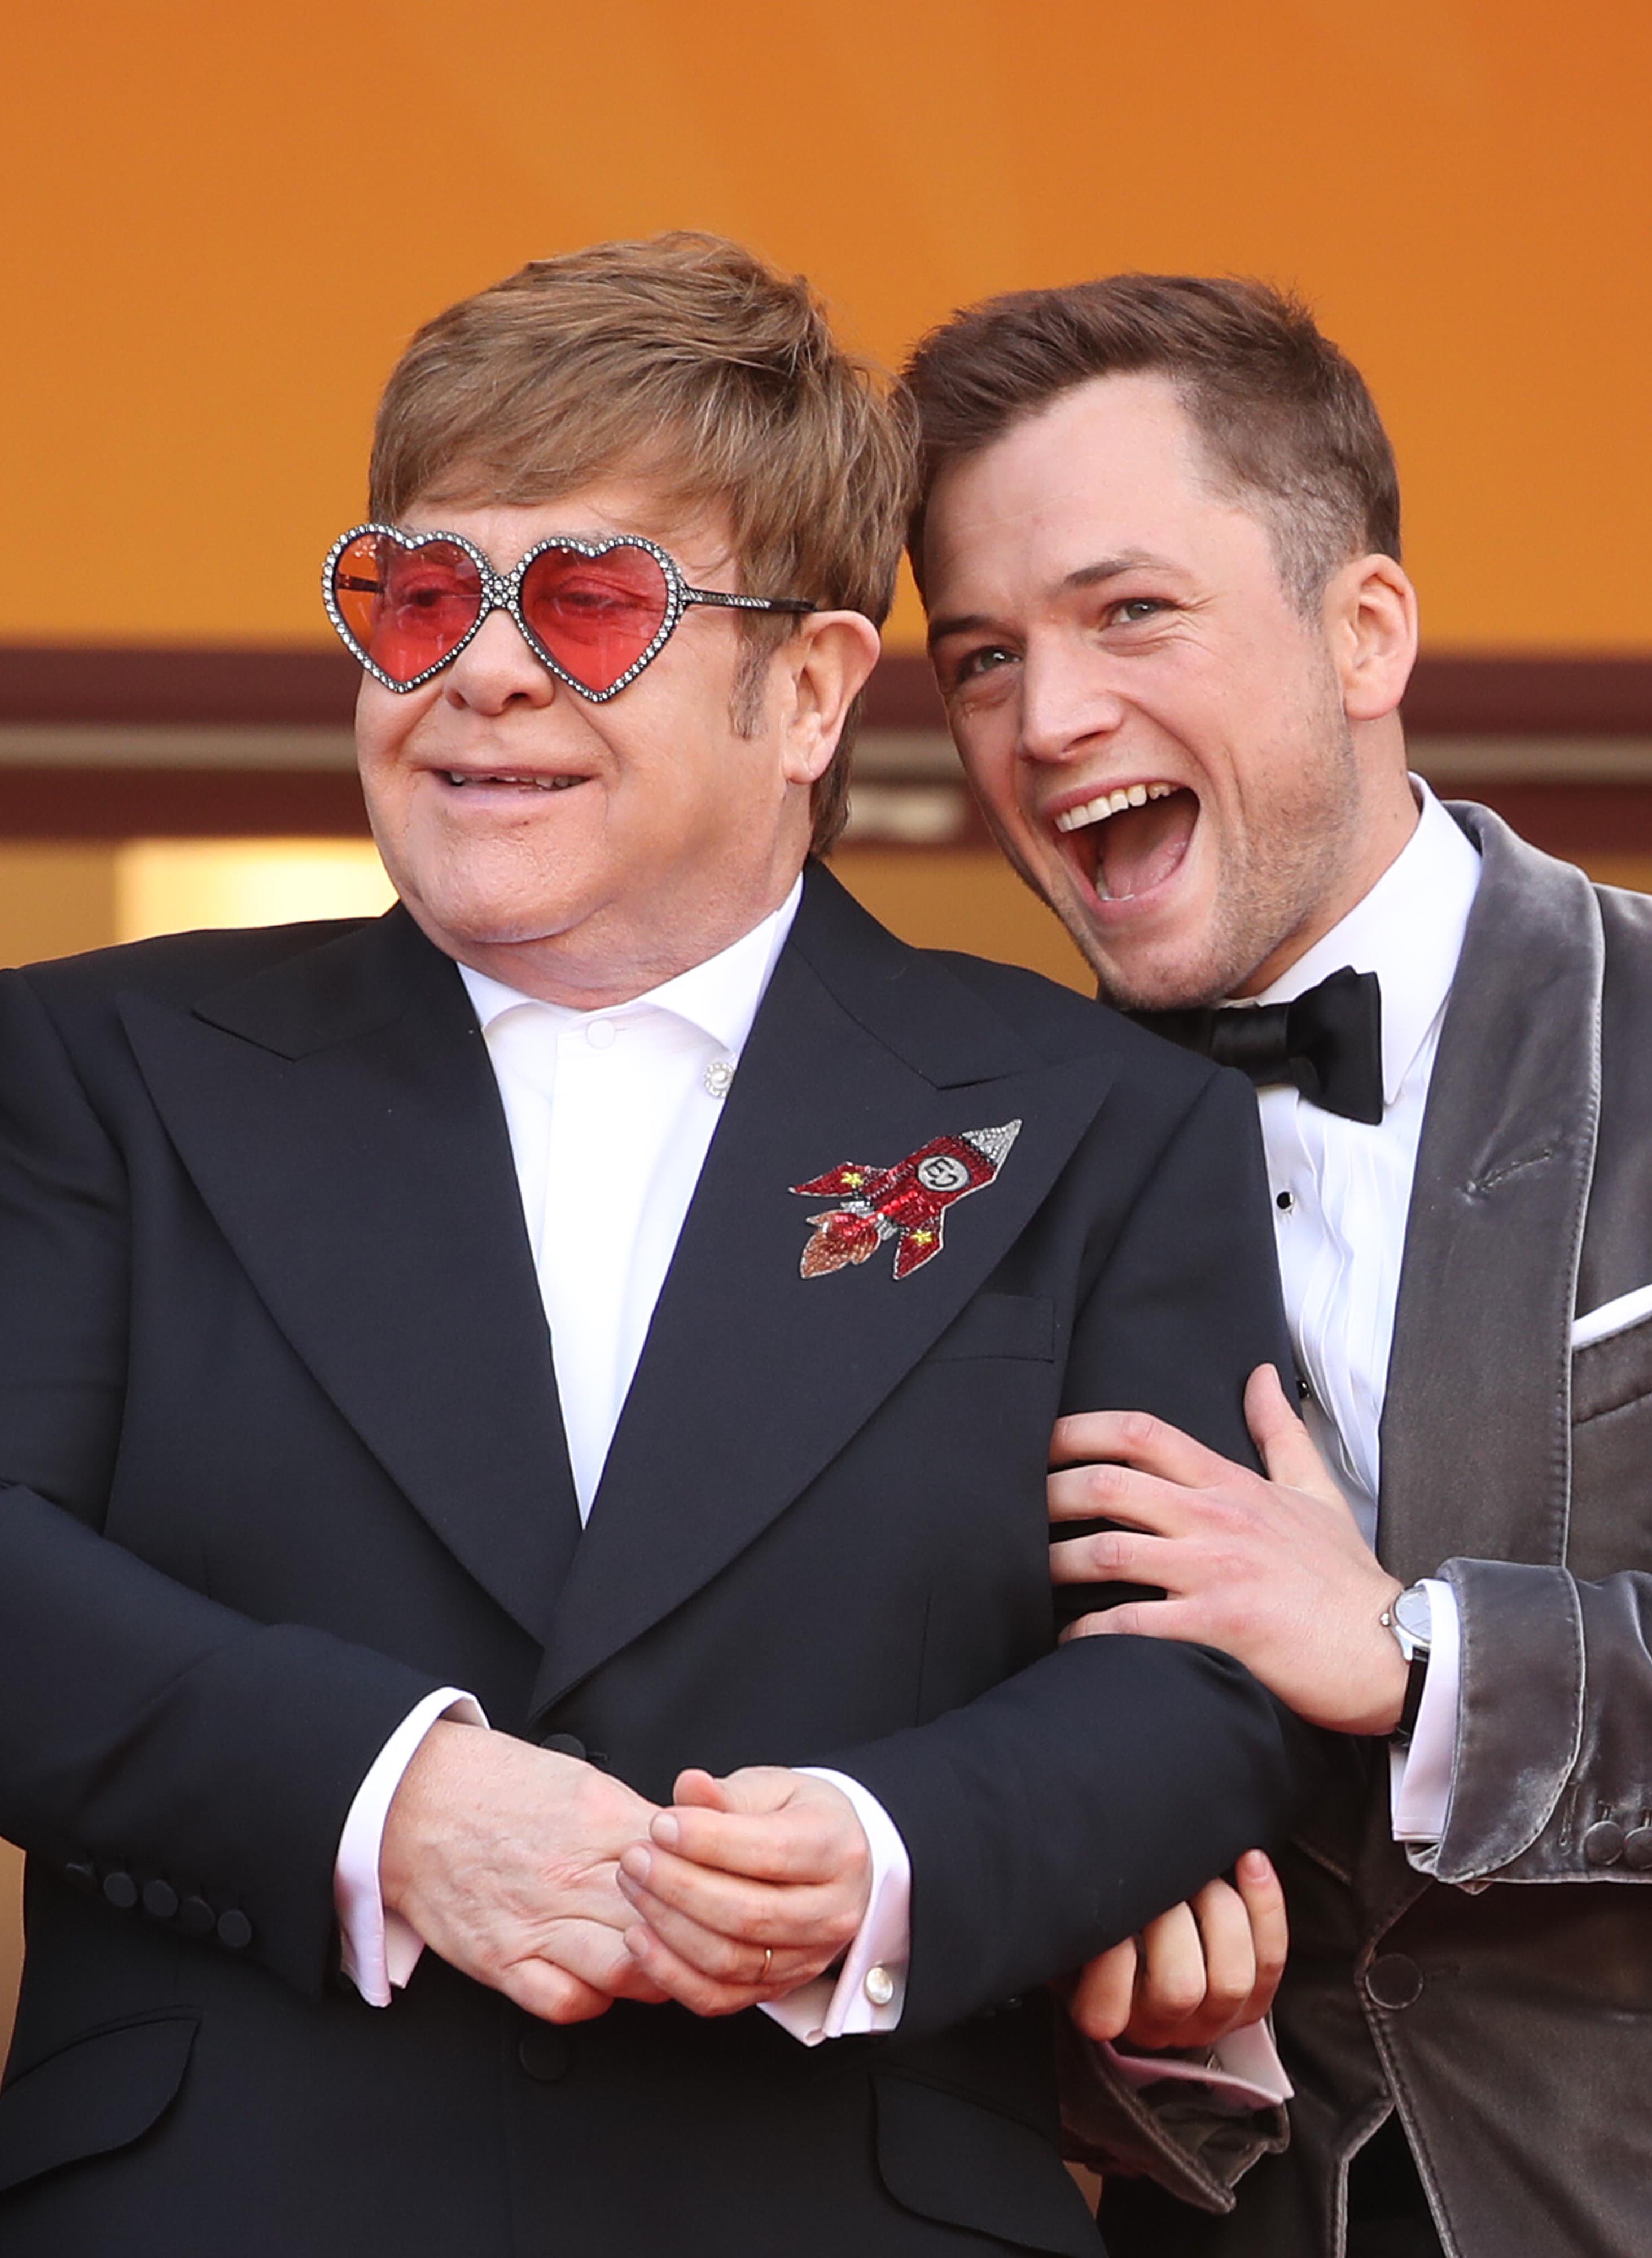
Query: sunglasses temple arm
[{"x": 748, "y": 603}]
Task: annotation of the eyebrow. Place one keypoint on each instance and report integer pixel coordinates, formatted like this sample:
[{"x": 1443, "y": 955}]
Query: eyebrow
[{"x": 1083, "y": 576}]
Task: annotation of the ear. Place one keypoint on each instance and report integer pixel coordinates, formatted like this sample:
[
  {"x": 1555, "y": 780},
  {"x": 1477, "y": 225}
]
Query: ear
[
  {"x": 1370, "y": 624},
  {"x": 826, "y": 663}
]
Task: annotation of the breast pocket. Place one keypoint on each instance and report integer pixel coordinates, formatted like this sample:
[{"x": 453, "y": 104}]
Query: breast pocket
[
  {"x": 1019, "y": 1326},
  {"x": 1611, "y": 1454}
]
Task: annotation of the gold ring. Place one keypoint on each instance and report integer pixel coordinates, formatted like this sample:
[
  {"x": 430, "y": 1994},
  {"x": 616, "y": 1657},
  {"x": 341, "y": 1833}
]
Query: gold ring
[{"x": 768, "y": 1962}]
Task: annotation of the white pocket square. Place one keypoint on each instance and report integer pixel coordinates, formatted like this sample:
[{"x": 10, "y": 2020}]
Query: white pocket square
[{"x": 1612, "y": 1317}]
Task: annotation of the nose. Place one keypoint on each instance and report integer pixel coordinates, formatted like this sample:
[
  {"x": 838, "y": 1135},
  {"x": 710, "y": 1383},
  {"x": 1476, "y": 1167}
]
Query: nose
[
  {"x": 1067, "y": 701},
  {"x": 496, "y": 669}
]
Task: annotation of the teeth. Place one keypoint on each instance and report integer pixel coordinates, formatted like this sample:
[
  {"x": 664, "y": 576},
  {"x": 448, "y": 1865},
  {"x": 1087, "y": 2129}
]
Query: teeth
[
  {"x": 539, "y": 782},
  {"x": 1110, "y": 803}
]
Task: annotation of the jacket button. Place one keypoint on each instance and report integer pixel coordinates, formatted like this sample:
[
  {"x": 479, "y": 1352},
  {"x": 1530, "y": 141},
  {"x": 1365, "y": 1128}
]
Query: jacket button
[
  {"x": 1393, "y": 1981},
  {"x": 121, "y": 1891},
  {"x": 545, "y": 2053},
  {"x": 1603, "y": 1844},
  {"x": 160, "y": 1900},
  {"x": 82, "y": 1872},
  {"x": 235, "y": 1930},
  {"x": 1637, "y": 1849},
  {"x": 196, "y": 1918},
  {"x": 564, "y": 1744}
]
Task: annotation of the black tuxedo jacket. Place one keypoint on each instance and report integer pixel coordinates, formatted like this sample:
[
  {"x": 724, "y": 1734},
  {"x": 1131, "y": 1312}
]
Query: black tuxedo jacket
[{"x": 281, "y": 1453}]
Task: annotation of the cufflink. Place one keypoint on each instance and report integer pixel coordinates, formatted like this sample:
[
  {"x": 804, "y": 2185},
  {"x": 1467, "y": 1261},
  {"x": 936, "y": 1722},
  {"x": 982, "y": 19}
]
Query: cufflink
[{"x": 879, "y": 1986}]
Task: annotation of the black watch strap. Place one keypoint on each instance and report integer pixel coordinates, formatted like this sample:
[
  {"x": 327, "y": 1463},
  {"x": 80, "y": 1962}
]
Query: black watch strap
[{"x": 1416, "y": 1679}]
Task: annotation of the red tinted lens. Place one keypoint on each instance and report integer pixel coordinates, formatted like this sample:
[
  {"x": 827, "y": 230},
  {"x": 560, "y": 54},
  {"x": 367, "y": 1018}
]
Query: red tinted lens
[
  {"x": 595, "y": 615},
  {"x": 407, "y": 609}
]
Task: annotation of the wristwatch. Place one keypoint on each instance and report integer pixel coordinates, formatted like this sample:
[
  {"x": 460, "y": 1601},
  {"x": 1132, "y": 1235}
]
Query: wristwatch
[{"x": 1411, "y": 1620}]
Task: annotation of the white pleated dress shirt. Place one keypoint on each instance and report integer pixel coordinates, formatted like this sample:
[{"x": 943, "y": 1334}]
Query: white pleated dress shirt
[
  {"x": 1342, "y": 1192},
  {"x": 611, "y": 1114}
]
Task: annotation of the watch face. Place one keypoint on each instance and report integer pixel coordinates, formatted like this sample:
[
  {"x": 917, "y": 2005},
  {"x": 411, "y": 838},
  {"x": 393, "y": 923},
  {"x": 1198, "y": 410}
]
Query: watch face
[{"x": 1414, "y": 1616}]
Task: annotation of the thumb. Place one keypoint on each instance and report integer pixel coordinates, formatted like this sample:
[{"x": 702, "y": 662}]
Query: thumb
[
  {"x": 756, "y": 1792},
  {"x": 699, "y": 1791},
  {"x": 1286, "y": 1447}
]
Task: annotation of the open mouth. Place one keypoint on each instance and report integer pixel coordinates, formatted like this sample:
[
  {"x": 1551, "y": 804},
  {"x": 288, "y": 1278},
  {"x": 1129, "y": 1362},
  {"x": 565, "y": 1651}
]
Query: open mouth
[{"x": 1129, "y": 840}]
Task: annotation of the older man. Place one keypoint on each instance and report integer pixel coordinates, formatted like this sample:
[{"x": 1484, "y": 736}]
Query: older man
[
  {"x": 1160, "y": 543},
  {"x": 621, "y": 1297}
]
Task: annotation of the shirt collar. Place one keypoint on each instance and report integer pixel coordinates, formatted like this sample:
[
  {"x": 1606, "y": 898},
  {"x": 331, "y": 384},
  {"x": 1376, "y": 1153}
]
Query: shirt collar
[
  {"x": 1408, "y": 930},
  {"x": 719, "y": 997}
]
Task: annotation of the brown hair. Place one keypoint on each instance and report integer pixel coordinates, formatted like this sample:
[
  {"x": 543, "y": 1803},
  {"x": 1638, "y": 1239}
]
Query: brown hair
[
  {"x": 1285, "y": 419},
  {"x": 688, "y": 361}
]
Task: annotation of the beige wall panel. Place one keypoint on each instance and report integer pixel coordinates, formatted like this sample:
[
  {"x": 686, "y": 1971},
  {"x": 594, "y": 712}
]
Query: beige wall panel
[
  {"x": 11, "y": 1934},
  {"x": 54, "y": 899},
  {"x": 1632, "y": 871},
  {"x": 966, "y": 899},
  {"x": 181, "y": 885}
]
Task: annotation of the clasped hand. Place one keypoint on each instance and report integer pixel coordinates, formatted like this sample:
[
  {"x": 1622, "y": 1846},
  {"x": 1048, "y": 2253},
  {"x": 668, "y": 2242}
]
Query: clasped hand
[
  {"x": 1273, "y": 1570},
  {"x": 544, "y": 1879}
]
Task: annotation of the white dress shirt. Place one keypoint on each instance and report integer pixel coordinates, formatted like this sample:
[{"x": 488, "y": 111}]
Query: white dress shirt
[
  {"x": 1341, "y": 1190},
  {"x": 610, "y": 1115}
]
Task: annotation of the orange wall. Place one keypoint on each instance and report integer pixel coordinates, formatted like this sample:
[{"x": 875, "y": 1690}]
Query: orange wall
[{"x": 223, "y": 221}]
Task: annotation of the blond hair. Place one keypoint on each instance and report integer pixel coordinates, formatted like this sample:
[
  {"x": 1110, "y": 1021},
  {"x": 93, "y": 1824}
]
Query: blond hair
[{"x": 686, "y": 361}]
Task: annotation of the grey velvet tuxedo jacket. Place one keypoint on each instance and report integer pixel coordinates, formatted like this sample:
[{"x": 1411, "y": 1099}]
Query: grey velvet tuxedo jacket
[
  {"x": 1496, "y": 1991},
  {"x": 281, "y": 1453}
]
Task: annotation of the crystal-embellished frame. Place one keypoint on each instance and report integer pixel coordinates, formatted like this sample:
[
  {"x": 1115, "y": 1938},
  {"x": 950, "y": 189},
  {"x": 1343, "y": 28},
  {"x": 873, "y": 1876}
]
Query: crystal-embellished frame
[{"x": 501, "y": 592}]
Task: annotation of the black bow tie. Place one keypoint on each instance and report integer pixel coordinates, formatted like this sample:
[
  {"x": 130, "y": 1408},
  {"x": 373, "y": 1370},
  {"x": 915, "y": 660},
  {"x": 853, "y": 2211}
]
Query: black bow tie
[{"x": 1327, "y": 1041}]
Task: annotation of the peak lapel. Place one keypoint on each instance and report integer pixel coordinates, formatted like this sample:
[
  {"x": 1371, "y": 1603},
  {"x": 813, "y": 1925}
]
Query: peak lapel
[
  {"x": 338, "y": 1116},
  {"x": 753, "y": 1376},
  {"x": 1477, "y": 1424}
]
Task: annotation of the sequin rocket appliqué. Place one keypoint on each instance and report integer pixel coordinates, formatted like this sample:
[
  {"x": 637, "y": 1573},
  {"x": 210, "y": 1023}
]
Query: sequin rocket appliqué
[{"x": 907, "y": 1202}]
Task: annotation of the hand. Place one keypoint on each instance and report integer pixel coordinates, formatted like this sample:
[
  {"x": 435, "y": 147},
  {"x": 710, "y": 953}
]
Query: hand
[
  {"x": 1273, "y": 1571},
  {"x": 747, "y": 1887},
  {"x": 1197, "y": 1972},
  {"x": 504, "y": 1856}
]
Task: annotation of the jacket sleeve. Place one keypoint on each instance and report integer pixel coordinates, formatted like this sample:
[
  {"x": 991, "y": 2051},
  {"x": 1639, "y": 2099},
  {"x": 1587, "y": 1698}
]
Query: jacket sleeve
[
  {"x": 1064, "y": 1808},
  {"x": 144, "y": 1731},
  {"x": 1551, "y": 1779}
]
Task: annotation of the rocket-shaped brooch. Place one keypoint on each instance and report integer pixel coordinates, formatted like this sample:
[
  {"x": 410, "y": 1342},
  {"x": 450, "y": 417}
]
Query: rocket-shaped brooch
[{"x": 907, "y": 1202}]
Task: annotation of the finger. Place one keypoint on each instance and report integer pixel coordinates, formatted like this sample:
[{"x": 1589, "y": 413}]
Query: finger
[
  {"x": 1113, "y": 1556},
  {"x": 734, "y": 1906},
  {"x": 552, "y": 1994},
  {"x": 1115, "y": 1493},
  {"x": 1102, "y": 1998},
  {"x": 701, "y": 1994},
  {"x": 730, "y": 1959},
  {"x": 1170, "y": 1978},
  {"x": 802, "y": 1844},
  {"x": 1229, "y": 1959},
  {"x": 757, "y": 1790},
  {"x": 1287, "y": 1449},
  {"x": 700, "y": 1789},
  {"x": 1179, "y": 1619},
  {"x": 1135, "y": 1438},
  {"x": 1264, "y": 1897}
]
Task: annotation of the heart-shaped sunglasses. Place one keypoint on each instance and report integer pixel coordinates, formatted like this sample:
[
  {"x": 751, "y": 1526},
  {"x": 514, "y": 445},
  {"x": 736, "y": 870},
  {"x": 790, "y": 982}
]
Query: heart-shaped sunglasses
[{"x": 596, "y": 613}]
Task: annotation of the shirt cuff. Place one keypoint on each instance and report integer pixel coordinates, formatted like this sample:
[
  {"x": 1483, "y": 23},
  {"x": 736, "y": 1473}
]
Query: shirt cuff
[
  {"x": 869, "y": 1989},
  {"x": 1241, "y": 2073},
  {"x": 1420, "y": 1773},
  {"x": 378, "y": 1949}
]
